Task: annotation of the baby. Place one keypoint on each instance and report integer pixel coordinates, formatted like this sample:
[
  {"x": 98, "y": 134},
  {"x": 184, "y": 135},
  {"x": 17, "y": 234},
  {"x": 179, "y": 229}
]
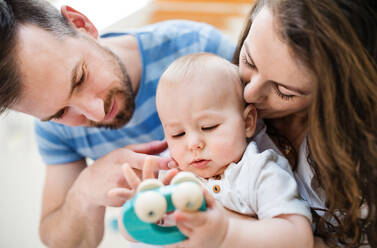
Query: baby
[
  {"x": 200, "y": 103},
  {"x": 207, "y": 125}
]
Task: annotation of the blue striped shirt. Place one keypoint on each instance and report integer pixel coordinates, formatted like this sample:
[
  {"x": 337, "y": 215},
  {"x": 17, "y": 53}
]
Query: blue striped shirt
[{"x": 160, "y": 44}]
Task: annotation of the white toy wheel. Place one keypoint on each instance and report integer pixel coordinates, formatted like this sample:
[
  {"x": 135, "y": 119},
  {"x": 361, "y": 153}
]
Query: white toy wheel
[
  {"x": 150, "y": 206},
  {"x": 187, "y": 196},
  {"x": 149, "y": 184},
  {"x": 185, "y": 176}
]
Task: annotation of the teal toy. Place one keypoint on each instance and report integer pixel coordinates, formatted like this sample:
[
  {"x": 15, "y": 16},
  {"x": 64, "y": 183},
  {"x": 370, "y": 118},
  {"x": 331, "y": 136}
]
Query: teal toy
[{"x": 153, "y": 200}]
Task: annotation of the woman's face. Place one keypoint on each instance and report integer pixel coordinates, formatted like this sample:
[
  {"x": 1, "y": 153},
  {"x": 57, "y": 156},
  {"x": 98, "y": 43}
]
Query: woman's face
[{"x": 276, "y": 83}]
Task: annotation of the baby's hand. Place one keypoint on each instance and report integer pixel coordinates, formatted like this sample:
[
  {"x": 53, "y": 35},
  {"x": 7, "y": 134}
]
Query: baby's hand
[
  {"x": 203, "y": 229},
  {"x": 133, "y": 179}
]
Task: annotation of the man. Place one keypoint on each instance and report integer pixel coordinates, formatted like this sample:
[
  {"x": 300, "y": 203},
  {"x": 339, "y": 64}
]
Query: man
[{"x": 93, "y": 96}]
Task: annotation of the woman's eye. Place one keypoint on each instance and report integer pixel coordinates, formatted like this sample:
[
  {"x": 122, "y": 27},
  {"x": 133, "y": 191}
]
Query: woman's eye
[
  {"x": 282, "y": 95},
  {"x": 208, "y": 128},
  {"x": 178, "y": 135}
]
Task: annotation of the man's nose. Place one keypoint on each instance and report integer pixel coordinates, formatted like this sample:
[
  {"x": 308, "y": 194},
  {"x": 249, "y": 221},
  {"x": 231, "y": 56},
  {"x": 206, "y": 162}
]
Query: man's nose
[{"x": 91, "y": 107}]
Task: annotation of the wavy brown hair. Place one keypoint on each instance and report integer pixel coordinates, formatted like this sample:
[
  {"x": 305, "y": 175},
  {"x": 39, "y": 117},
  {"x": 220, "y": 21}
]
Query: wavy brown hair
[{"x": 337, "y": 41}]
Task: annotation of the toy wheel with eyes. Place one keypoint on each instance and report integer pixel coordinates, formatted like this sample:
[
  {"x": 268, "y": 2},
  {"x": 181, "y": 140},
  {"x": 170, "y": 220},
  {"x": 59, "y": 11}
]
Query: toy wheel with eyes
[
  {"x": 150, "y": 206},
  {"x": 184, "y": 176},
  {"x": 149, "y": 184},
  {"x": 188, "y": 195}
]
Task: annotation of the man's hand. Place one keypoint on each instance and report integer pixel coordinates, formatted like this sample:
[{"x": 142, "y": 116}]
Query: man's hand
[
  {"x": 94, "y": 183},
  {"x": 75, "y": 195}
]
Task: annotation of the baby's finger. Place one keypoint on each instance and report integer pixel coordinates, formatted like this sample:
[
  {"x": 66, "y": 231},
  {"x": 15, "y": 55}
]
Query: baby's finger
[
  {"x": 132, "y": 179},
  {"x": 191, "y": 220},
  {"x": 172, "y": 164},
  {"x": 187, "y": 231},
  {"x": 208, "y": 198},
  {"x": 120, "y": 193},
  {"x": 167, "y": 178},
  {"x": 150, "y": 167}
]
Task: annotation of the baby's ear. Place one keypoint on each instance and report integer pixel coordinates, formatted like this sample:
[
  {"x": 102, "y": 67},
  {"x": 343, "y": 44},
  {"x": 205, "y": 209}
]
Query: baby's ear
[{"x": 250, "y": 117}]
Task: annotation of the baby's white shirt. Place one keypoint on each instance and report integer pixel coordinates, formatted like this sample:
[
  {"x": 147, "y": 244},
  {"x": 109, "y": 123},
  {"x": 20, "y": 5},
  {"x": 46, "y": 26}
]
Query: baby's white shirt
[{"x": 261, "y": 183}]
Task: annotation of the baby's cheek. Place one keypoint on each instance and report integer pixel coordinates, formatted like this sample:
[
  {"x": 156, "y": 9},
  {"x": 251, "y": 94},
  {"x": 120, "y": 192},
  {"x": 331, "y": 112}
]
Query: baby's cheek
[
  {"x": 177, "y": 155},
  {"x": 228, "y": 152},
  {"x": 223, "y": 149}
]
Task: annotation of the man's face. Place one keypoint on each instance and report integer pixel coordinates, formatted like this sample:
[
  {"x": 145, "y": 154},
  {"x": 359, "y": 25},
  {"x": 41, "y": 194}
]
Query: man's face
[{"x": 73, "y": 80}]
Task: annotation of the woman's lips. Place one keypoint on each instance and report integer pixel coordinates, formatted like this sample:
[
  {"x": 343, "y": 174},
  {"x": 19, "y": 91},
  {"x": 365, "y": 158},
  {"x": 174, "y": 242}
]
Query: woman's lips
[
  {"x": 200, "y": 163},
  {"x": 113, "y": 111}
]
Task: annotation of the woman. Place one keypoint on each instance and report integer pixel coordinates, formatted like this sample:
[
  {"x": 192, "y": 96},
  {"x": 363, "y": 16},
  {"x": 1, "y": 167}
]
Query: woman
[{"x": 310, "y": 69}]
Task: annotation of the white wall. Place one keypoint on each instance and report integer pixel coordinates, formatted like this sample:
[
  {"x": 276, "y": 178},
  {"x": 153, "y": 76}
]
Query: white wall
[{"x": 21, "y": 182}]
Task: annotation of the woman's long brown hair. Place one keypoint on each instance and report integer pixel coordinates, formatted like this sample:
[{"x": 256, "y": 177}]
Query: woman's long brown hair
[{"x": 337, "y": 41}]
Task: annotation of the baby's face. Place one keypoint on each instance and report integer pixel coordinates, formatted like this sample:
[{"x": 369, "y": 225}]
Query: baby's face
[{"x": 203, "y": 123}]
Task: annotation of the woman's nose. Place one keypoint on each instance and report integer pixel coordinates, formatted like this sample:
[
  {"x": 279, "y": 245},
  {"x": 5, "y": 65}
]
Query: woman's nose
[
  {"x": 91, "y": 107},
  {"x": 255, "y": 90}
]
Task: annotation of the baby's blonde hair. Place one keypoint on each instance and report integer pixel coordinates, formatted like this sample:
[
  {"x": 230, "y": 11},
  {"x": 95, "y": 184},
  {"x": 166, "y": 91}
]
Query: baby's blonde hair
[{"x": 198, "y": 63}]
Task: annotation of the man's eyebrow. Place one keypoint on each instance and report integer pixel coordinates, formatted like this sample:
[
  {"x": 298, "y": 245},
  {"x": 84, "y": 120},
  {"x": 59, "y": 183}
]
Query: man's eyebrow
[{"x": 74, "y": 76}]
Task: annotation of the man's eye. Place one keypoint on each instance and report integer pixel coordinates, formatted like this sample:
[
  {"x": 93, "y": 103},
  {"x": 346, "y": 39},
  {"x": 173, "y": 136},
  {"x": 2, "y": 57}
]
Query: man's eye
[
  {"x": 178, "y": 135},
  {"x": 60, "y": 114},
  {"x": 83, "y": 75},
  {"x": 208, "y": 128},
  {"x": 81, "y": 80}
]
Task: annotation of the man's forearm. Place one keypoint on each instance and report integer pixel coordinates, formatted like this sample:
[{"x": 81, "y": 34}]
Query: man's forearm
[{"x": 74, "y": 224}]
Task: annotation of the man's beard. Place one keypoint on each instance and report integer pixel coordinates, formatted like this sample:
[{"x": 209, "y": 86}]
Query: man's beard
[{"x": 126, "y": 106}]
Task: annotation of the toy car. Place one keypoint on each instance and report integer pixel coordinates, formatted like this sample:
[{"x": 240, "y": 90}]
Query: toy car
[{"x": 153, "y": 200}]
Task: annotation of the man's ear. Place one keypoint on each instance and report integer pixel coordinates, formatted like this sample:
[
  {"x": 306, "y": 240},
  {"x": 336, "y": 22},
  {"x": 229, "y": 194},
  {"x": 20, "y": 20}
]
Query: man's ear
[
  {"x": 79, "y": 21},
  {"x": 250, "y": 117}
]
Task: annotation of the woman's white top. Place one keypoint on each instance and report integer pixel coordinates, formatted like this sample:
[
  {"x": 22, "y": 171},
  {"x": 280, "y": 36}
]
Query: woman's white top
[
  {"x": 308, "y": 186},
  {"x": 261, "y": 184}
]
